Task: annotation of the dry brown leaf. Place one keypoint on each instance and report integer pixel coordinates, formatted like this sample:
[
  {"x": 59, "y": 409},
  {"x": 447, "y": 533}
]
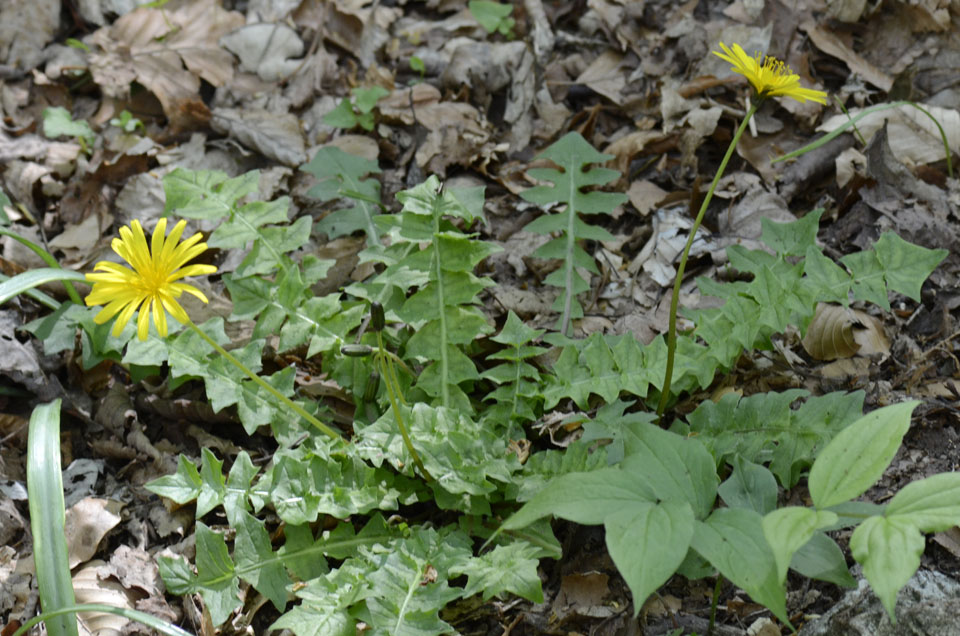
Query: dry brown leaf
[
  {"x": 167, "y": 51},
  {"x": 606, "y": 76},
  {"x": 645, "y": 195},
  {"x": 949, "y": 540},
  {"x": 92, "y": 584},
  {"x": 829, "y": 43},
  {"x": 87, "y": 522},
  {"x": 840, "y": 332}
]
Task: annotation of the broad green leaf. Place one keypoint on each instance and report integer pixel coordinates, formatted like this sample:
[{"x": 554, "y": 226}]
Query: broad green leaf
[
  {"x": 212, "y": 487},
  {"x": 822, "y": 559},
  {"x": 182, "y": 486},
  {"x": 507, "y": 569},
  {"x": 492, "y": 16},
  {"x": 341, "y": 175},
  {"x": 763, "y": 428},
  {"x": 611, "y": 423},
  {"x": 648, "y": 542},
  {"x": 461, "y": 454},
  {"x": 789, "y": 529},
  {"x": 792, "y": 239},
  {"x": 868, "y": 280},
  {"x": 541, "y": 467},
  {"x": 831, "y": 282},
  {"x": 410, "y": 583},
  {"x": 244, "y": 225},
  {"x": 323, "y": 616},
  {"x": 57, "y": 121},
  {"x": 677, "y": 469},
  {"x": 605, "y": 366},
  {"x": 216, "y": 579},
  {"x": 342, "y": 116},
  {"x": 177, "y": 575},
  {"x": 238, "y": 484},
  {"x": 256, "y": 562},
  {"x": 889, "y": 550},
  {"x": 749, "y": 486},
  {"x": 906, "y": 266},
  {"x": 516, "y": 332},
  {"x": 585, "y": 498},
  {"x": 732, "y": 540},
  {"x": 194, "y": 193},
  {"x": 931, "y": 504},
  {"x": 858, "y": 455}
]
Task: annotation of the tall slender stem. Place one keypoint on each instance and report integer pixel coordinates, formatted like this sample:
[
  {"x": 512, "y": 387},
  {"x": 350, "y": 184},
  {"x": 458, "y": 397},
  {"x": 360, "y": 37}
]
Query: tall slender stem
[
  {"x": 675, "y": 300},
  {"x": 717, "y": 588},
  {"x": 389, "y": 375},
  {"x": 296, "y": 408}
]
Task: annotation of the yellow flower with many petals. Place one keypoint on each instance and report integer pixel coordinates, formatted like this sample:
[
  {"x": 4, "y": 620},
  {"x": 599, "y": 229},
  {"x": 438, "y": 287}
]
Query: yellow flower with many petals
[
  {"x": 151, "y": 285},
  {"x": 769, "y": 76}
]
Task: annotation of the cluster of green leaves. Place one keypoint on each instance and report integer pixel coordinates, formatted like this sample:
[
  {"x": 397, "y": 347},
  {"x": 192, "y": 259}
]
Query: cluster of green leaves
[
  {"x": 466, "y": 396},
  {"x": 658, "y": 509},
  {"x": 494, "y": 17},
  {"x": 653, "y": 490},
  {"x": 356, "y": 110}
]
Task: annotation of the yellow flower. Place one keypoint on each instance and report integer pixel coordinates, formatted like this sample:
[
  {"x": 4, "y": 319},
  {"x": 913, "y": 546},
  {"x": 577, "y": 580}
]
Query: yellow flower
[
  {"x": 769, "y": 76},
  {"x": 150, "y": 285}
]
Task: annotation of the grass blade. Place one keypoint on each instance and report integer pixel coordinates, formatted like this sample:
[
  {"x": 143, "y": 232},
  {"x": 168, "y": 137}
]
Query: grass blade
[
  {"x": 34, "y": 278},
  {"x": 45, "y": 493},
  {"x": 147, "y": 619}
]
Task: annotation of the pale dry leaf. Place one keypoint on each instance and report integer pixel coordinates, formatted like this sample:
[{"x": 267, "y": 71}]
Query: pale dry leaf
[
  {"x": 167, "y": 51},
  {"x": 848, "y": 163},
  {"x": 266, "y": 49},
  {"x": 848, "y": 11},
  {"x": 277, "y": 136},
  {"x": 831, "y": 44},
  {"x": 92, "y": 584},
  {"x": 949, "y": 540},
  {"x": 763, "y": 627},
  {"x": 605, "y": 76},
  {"x": 830, "y": 334},
  {"x": 26, "y": 28},
  {"x": 87, "y": 522},
  {"x": 135, "y": 567},
  {"x": 841, "y": 332}
]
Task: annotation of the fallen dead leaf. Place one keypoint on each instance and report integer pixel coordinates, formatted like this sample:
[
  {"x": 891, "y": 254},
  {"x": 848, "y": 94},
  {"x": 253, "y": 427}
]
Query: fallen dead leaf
[
  {"x": 841, "y": 332},
  {"x": 87, "y": 522},
  {"x": 167, "y": 51}
]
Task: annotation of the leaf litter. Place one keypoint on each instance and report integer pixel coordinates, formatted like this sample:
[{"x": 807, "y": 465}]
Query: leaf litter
[{"x": 221, "y": 87}]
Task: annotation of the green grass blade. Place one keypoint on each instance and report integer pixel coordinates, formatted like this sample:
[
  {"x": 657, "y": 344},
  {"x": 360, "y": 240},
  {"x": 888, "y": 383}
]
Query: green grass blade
[
  {"x": 47, "y": 258},
  {"x": 34, "y": 278},
  {"x": 147, "y": 619},
  {"x": 37, "y": 295},
  {"x": 853, "y": 121},
  {"x": 45, "y": 494}
]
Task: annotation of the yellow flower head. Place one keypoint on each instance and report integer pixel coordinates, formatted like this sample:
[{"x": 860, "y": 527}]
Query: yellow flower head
[
  {"x": 150, "y": 285},
  {"x": 769, "y": 76}
]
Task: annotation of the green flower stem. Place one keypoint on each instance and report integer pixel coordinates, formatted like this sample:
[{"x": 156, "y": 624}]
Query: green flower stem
[
  {"x": 389, "y": 375},
  {"x": 675, "y": 300},
  {"x": 296, "y": 408}
]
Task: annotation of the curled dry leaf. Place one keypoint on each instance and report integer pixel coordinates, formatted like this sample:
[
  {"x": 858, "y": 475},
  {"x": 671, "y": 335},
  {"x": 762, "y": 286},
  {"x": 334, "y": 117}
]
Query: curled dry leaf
[{"x": 840, "y": 332}]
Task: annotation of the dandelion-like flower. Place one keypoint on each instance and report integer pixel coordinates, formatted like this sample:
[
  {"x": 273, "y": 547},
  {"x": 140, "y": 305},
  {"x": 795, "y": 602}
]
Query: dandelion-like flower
[
  {"x": 769, "y": 76},
  {"x": 151, "y": 285}
]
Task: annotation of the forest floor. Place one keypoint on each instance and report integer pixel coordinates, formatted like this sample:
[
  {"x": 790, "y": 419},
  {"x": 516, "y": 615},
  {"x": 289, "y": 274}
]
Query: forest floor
[{"x": 637, "y": 79}]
